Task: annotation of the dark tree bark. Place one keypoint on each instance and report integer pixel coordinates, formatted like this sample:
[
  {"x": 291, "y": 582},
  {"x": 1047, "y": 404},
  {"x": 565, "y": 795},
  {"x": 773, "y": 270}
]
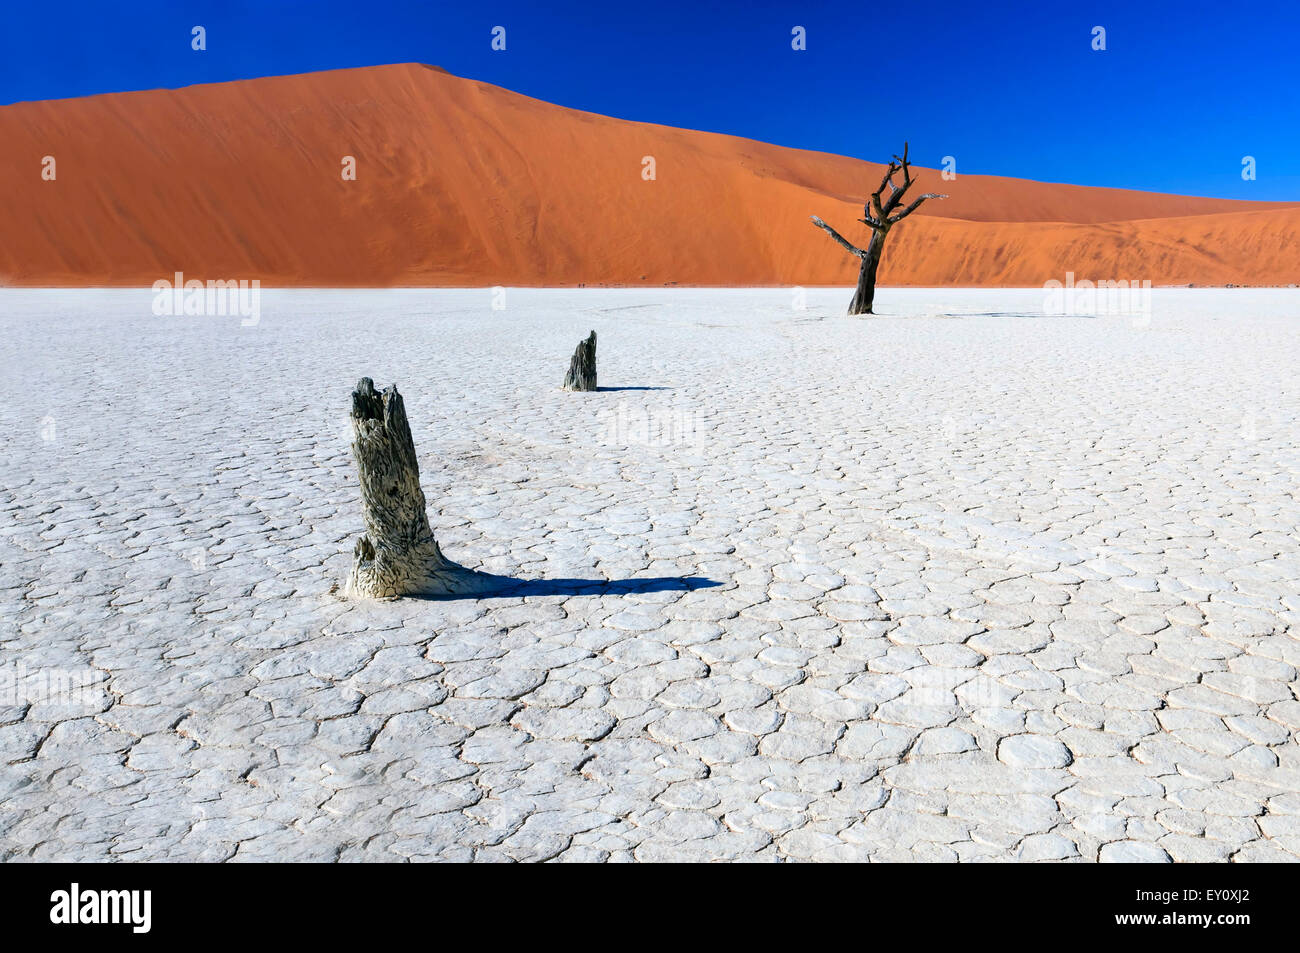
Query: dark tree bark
[
  {"x": 398, "y": 555},
  {"x": 582, "y": 369},
  {"x": 866, "y": 290},
  {"x": 880, "y": 215}
]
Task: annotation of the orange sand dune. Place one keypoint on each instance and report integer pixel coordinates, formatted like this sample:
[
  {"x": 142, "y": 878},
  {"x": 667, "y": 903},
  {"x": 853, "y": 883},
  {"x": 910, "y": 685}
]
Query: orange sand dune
[{"x": 462, "y": 183}]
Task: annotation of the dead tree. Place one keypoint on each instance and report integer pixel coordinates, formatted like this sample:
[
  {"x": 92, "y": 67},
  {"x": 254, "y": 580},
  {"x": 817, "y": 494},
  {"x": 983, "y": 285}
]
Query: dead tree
[
  {"x": 881, "y": 216},
  {"x": 582, "y": 369},
  {"x": 398, "y": 555}
]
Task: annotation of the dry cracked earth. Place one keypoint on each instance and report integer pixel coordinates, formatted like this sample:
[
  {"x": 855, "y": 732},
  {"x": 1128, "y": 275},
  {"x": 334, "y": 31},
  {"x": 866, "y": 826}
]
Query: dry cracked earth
[{"x": 961, "y": 582}]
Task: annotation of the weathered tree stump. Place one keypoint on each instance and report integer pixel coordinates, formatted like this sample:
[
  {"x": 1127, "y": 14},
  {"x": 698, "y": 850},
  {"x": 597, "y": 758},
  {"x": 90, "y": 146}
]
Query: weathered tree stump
[
  {"x": 582, "y": 369},
  {"x": 398, "y": 555}
]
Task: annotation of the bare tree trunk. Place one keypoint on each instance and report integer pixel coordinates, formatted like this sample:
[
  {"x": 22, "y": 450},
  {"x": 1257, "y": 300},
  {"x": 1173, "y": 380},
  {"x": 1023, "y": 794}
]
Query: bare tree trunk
[
  {"x": 582, "y": 369},
  {"x": 866, "y": 290},
  {"x": 398, "y": 555}
]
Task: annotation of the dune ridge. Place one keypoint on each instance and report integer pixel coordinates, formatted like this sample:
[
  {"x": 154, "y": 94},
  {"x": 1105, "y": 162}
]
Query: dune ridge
[{"x": 461, "y": 183}]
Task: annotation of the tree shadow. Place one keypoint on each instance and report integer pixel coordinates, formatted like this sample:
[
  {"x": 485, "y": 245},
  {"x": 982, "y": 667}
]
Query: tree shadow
[
  {"x": 472, "y": 584},
  {"x": 602, "y": 389},
  {"x": 988, "y": 314},
  {"x": 602, "y": 587}
]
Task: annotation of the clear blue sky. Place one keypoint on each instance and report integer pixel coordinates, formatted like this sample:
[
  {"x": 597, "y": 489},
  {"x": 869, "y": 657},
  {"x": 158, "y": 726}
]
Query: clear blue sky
[{"x": 1183, "y": 91}]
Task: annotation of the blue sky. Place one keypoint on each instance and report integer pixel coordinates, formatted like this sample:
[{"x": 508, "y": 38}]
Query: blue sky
[{"x": 1182, "y": 92}]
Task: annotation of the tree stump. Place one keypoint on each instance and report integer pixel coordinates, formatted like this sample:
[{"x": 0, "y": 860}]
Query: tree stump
[
  {"x": 398, "y": 555},
  {"x": 582, "y": 369}
]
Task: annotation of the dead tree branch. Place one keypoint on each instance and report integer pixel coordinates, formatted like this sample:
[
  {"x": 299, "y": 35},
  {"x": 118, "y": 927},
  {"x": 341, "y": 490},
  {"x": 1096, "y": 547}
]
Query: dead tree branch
[{"x": 848, "y": 246}]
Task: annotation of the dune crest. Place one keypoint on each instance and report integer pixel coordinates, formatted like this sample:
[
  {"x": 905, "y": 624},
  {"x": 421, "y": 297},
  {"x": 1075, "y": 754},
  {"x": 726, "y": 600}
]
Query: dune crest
[{"x": 466, "y": 184}]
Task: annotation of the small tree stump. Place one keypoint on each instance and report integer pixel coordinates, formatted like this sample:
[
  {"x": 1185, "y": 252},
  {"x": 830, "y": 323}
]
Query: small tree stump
[
  {"x": 582, "y": 369},
  {"x": 398, "y": 555}
]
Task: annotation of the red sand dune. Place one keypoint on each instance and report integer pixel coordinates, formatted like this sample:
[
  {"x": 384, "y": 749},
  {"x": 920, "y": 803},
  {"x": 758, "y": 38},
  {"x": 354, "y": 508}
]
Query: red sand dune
[{"x": 462, "y": 183}]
